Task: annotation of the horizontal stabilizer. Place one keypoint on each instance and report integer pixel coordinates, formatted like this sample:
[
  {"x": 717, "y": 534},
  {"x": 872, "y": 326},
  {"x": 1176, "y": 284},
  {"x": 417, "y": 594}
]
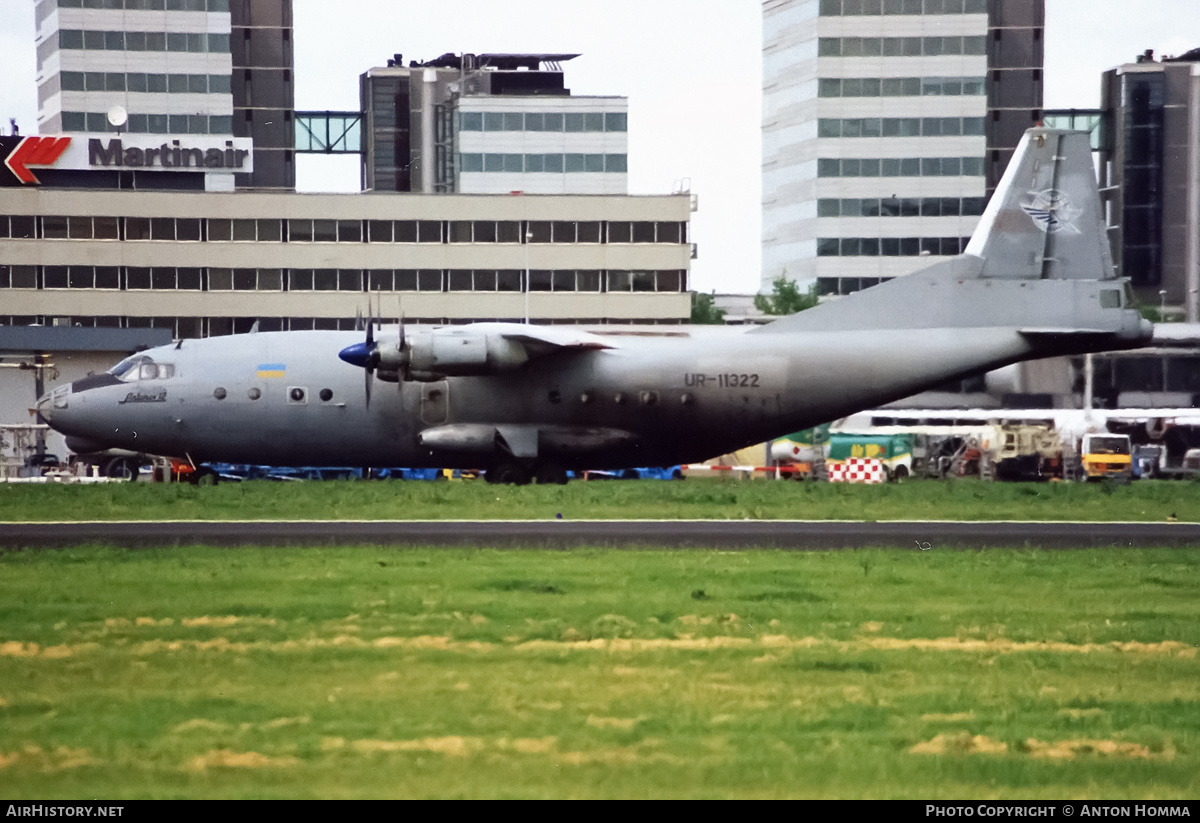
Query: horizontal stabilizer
[{"x": 1176, "y": 334}]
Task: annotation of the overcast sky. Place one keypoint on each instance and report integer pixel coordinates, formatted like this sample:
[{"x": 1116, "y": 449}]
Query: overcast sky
[{"x": 691, "y": 69}]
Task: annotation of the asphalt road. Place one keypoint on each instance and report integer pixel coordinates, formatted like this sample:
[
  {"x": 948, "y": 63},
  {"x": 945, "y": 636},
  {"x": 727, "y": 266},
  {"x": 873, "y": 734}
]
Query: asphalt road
[{"x": 565, "y": 534}]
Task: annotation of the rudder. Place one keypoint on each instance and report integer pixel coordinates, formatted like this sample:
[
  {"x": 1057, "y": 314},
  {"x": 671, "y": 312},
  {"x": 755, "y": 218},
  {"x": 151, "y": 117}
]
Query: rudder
[{"x": 1045, "y": 220}]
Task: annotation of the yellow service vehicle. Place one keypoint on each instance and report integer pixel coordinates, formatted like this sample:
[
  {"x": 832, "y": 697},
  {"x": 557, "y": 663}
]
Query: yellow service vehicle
[{"x": 1107, "y": 456}]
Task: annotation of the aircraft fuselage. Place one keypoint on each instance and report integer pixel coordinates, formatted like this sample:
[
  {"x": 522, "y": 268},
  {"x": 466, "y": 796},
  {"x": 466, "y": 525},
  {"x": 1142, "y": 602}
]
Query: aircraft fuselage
[{"x": 286, "y": 398}]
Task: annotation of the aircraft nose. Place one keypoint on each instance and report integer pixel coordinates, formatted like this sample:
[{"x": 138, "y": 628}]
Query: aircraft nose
[
  {"x": 356, "y": 355},
  {"x": 45, "y": 407}
]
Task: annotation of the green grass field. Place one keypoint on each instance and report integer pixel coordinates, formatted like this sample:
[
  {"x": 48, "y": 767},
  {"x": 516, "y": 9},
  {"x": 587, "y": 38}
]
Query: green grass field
[
  {"x": 694, "y": 498},
  {"x": 364, "y": 672}
]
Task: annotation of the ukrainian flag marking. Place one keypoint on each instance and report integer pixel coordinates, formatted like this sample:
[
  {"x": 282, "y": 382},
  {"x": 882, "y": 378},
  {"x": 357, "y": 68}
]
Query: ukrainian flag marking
[{"x": 271, "y": 369}]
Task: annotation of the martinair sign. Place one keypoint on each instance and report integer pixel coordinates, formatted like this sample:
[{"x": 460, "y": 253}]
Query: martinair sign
[{"x": 140, "y": 152}]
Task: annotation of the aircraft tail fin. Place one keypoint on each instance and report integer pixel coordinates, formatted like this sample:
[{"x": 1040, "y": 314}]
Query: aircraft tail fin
[
  {"x": 1038, "y": 263},
  {"x": 1045, "y": 220}
]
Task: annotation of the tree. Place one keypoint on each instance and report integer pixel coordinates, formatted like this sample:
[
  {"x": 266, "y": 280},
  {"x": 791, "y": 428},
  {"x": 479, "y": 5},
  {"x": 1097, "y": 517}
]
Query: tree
[
  {"x": 786, "y": 297},
  {"x": 705, "y": 311}
]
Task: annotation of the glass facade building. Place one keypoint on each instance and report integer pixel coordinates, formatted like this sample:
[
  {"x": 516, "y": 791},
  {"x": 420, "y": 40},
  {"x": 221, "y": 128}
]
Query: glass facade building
[
  {"x": 886, "y": 124},
  {"x": 1150, "y": 159}
]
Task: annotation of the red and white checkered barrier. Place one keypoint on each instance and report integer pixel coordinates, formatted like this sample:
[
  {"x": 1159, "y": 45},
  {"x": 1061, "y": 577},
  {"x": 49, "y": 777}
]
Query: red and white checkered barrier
[{"x": 856, "y": 470}]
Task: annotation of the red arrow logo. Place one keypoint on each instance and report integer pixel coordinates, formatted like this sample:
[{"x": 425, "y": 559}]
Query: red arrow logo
[{"x": 35, "y": 151}]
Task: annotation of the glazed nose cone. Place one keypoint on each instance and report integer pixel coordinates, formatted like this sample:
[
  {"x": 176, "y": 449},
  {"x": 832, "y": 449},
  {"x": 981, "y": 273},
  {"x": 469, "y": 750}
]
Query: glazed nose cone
[{"x": 45, "y": 408}]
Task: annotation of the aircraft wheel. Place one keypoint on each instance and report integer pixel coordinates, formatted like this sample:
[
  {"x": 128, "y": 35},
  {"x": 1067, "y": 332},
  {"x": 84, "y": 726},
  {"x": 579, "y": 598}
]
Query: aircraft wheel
[
  {"x": 121, "y": 468},
  {"x": 551, "y": 474},
  {"x": 513, "y": 474}
]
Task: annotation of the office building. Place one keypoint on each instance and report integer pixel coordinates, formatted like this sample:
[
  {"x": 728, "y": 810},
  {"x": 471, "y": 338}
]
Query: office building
[
  {"x": 1150, "y": 162},
  {"x": 490, "y": 124},
  {"x": 208, "y": 70},
  {"x": 885, "y": 125}
]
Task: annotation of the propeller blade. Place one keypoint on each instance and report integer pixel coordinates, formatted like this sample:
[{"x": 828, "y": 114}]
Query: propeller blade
[
  {"x": 400, "y": 349},
  {"x": 365, "y": 355}
]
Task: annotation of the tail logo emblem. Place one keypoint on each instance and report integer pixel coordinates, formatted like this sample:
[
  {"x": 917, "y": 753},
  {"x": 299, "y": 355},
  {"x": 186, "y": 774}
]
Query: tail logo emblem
[{"x": 1052, "y": 211}]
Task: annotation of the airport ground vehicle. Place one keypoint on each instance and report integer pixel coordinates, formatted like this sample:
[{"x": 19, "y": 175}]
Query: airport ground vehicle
[
  {"x": 1151, "y": 461},
  {"x": 1027, "y": 451},
  {"x": 894, "y": 451},
  {"x": 1106, "y": 457}
]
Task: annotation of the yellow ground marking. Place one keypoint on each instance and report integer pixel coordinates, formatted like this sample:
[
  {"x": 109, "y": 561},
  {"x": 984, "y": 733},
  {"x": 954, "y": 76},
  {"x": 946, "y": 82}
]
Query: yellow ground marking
[
  {"x": 1079, "y": 714},
  {"x": 15, "y": 648},
  {"x": 613, "y": 722},
  {"x": 681, "y": 642},
  {"x": 452, "y": 746},
  {"x": 215, "y": 725},
  {"x": 1070, "y": 749},
  {"x": 966, "y": 743},
  {"x": 38, "y": 758},
  {"x": 225, "y": 758},
  {"x": 956, "y": 717},
  {"x": 200, "y": 723}
]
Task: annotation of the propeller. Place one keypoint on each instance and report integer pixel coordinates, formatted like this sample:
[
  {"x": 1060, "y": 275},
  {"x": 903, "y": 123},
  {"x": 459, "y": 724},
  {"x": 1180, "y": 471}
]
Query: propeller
[
  {"x": 365, "y": 355},
  {"x": 368, "y": 356}
]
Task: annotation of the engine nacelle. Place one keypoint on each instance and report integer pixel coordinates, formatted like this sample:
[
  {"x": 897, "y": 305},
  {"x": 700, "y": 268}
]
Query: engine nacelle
[{"x": 432, "y": 354}]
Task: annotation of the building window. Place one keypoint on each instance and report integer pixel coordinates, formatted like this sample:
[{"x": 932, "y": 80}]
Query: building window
[
  {"x": 543, "y": 163},
  {"x": 836, "y": 8},
  {"x": 901, "y": 207},
  {"x": 890, "y": 247},
  {"x": 900, "y": 46},
  {"x": 900, "y": 127},
  {"x": 900, "y": 86},
  {"x": 148, "y": 41}
]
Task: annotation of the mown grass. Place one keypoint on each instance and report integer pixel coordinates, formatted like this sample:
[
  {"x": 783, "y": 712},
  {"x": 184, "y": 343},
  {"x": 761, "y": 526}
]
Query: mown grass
[
  {"x": 690, "y": 499},
  {"x": 364, "y": 672}
]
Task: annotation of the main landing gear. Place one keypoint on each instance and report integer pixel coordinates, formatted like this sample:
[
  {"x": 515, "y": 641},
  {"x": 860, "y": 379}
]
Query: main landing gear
[{"x": 520, "y": 474}]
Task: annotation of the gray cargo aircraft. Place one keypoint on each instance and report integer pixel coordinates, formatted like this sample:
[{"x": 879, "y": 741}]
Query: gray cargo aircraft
[{"x": 530, "y": 402}]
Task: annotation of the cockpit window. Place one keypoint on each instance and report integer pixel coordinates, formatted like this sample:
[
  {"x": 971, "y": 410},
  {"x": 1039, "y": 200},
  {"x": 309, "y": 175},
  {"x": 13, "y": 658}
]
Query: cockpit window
[
  {"x": 122, "y": 368},
  {"x": 141, "y": 367},
  {"x": 155, "y": 371}
]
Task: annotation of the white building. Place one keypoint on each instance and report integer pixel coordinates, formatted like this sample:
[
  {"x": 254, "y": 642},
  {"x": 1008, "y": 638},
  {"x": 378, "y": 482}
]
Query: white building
[
  {"x": 171, "y": 69},
  {"x": 166, "y": 62},
  {"x": 490, "y": 124},
  {"x": 883, "y": 125},
  {"x": 543, "y": 145}
]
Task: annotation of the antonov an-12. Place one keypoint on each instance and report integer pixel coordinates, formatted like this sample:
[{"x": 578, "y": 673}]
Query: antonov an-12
[{"x": 530, "y": 402}]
